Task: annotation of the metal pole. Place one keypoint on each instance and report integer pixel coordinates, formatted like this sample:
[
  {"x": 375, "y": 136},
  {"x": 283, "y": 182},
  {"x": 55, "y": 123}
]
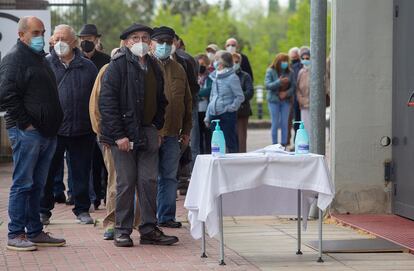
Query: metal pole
[
  {"x": 317, "y": 86},
  {"x": 203, "y": 240},
  {"x": 320, "y": 236},
  {"x": 220, "y": 213},
  {"x": 85, "y": 12},
  {"x": 317, "y": 82},
  {"x": 299, "y": 252}
]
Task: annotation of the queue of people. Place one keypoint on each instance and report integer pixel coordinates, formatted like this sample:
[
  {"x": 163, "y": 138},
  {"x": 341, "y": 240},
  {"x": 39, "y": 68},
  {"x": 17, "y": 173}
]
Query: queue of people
[{"x": 121, "y": 122}]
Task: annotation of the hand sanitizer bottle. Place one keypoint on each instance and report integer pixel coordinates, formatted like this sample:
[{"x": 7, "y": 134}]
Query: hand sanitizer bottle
[
  {"x": 218, "y": 143},
  {"x": 301, "y": 140}
]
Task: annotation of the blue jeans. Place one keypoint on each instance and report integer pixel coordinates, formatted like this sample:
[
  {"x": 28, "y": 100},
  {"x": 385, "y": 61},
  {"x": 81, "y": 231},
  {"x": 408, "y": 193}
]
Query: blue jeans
[
  {"x": 228, "y": 123},
  {"x": 279, "y": 112},
  {"x": 79, "y": 151},
  {"x": 32, "y": 154},
  {"x": 169, "y": 157}
]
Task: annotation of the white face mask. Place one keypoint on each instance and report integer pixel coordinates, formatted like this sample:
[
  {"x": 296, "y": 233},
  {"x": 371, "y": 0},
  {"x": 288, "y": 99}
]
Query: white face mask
[
  {"x": 61, "y": 48},
  {"x": 210, "y": 56},
  {"x": 140, "y": 49},
  {"x": 231, "y": 49},
  {"x": 236, "y": 66},
  {"x": 173, "y": 49}
]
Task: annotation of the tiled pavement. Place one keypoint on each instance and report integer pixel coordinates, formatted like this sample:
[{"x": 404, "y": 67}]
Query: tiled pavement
[{"x": 86, "y": 250}]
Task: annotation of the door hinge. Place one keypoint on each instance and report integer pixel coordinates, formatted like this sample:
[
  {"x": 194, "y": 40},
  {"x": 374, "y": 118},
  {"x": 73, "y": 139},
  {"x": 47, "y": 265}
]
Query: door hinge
[{"x": 396, "y": 11}]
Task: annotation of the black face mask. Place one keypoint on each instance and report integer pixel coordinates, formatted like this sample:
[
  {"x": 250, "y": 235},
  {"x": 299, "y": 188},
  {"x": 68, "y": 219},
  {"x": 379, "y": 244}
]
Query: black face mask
[
  {"x": 294, "y": 61},
  {"x": 87, "y": 46},
  {"x": 202, "y": 69}
]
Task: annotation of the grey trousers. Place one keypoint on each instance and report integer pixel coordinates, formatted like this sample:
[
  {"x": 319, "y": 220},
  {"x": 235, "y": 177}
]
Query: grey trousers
[{"x": 136, "y": 170}]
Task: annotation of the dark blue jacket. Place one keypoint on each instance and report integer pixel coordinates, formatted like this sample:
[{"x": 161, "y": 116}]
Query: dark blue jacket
[
  {"x": 28, "y": 91},
  {"x": 74, "y": 86}
]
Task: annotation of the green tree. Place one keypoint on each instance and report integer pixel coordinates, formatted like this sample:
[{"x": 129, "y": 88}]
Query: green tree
[
  {"x": 273, "y": 7},
  {"x": 298, "y": 29},
  {"x": 292, "y": 5},
  {"x": 186, "y": 8},
  {"x": 113, "y": 16}
]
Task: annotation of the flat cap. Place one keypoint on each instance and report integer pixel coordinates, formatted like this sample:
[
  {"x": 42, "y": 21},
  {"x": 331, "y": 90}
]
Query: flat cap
[
  {"x": 163, "y": 32},
  {"x": 135, "y": 28}
]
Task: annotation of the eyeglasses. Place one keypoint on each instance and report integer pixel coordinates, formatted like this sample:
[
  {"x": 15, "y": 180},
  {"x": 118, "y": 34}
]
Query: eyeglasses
[
  {"x": 139, "y": 38},
  {"x": 305, "y": 58}
]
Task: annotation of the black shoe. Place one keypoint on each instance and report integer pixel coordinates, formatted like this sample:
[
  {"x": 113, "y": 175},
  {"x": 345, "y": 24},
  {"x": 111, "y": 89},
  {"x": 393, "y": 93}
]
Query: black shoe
[
  {"x": 69, "y": 201},
  {"x": 96, "y": 204},
  {"x": 123, "y": 240},
  {"x": 157, "y": 237},
  {"x": 60, "y": 198},
  {"x": 171, "y": 224}
]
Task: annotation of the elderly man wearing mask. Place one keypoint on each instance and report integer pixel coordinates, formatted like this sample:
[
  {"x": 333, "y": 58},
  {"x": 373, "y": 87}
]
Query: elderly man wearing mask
[
  {"x": 132, "y": 105},
  {"x": 28, "y": 93},
  {"x": 232, "y": 46},
  {"x": 75, "y": 76},
  {"x": 177, "y": 127}
]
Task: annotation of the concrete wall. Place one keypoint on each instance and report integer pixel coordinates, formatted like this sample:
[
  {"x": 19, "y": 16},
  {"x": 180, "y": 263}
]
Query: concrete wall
[{"x": 361, "y": 103}]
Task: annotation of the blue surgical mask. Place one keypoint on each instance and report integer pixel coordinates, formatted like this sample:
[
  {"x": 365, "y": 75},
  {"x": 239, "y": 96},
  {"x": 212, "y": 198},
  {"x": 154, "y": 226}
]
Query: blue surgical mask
[
  {"x": 216, "y": 64},
  {"x": 162, "y": 51},
  {"x": 306, "y": 62},
  {"x": 284, "y": 65},
  {"x": 236, "y": 66},
  {"x": 37, "y": 43}
]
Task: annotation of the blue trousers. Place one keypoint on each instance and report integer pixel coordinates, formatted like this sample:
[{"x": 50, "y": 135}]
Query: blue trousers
[
  {"x": 32, "y": 154},
  {"x": 279, "y": 113},
  {"x": 169, "y": 158}
]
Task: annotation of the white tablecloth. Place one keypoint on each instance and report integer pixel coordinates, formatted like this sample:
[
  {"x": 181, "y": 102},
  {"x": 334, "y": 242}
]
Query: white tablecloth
[{"x": 254, "y": 184}]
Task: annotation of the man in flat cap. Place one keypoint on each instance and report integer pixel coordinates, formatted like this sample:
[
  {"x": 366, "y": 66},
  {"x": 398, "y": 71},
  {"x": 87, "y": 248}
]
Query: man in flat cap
[
  {"x": 177, "y": 125},
  {"x": 89, "y": 38},
  {"x": 132, "y": 106}
]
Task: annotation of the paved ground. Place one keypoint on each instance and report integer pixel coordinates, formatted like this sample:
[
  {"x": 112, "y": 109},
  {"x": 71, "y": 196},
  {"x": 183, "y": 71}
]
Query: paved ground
[{"x": 252, "y": 243}]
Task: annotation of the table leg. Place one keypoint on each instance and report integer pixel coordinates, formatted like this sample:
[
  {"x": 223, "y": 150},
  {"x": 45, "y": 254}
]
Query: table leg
[
  {"x": 203, "y": 240},
  {"x": 299, "y": 252},
  {"x": 320, "y": 236},
  {"x": 220, "y": 213}
]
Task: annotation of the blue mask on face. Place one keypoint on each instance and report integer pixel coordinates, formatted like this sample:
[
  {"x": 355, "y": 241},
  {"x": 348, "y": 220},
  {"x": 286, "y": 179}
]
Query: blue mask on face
[
  {"x": 37, "y": 43},
  {"x": 306, "y": 62},
  {"x": 162, "y": 51},
  {"x": 284, "y": 65}
]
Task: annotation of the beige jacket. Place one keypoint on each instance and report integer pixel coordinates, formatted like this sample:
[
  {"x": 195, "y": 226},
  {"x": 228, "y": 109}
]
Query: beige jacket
[
  {"x": 94, "y": 102},
  {"x": 178, "y": 94},
  {"x": 302, "y": 88}
]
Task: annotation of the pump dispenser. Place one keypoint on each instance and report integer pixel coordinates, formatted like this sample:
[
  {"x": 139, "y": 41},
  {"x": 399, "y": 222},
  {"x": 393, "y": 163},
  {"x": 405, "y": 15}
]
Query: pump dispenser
[
  {"x": 218, "y": 143},
  {"x": 301, "y": 140}
]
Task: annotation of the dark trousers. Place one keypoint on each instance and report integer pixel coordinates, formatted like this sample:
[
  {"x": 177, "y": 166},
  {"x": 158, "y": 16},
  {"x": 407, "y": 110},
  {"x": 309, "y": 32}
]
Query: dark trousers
[
  {"x": 228, "y": 125},
  {"x": 136, "y": 171},
  {"x": 79, "y": 151},
  {"x": 205, "y": 135}
]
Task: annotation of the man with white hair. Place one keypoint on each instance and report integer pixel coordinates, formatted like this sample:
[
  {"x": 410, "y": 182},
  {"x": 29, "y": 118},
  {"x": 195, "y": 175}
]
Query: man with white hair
[
  {"x": 28, "y": 93},
  {"x": 232, "y": 46},
  {"x": 75, "y": 76}
]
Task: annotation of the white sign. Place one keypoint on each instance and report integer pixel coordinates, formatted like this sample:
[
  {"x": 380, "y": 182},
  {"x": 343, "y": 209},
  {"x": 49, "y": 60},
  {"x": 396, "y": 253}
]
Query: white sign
[{"x": 8, "y": 27}]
